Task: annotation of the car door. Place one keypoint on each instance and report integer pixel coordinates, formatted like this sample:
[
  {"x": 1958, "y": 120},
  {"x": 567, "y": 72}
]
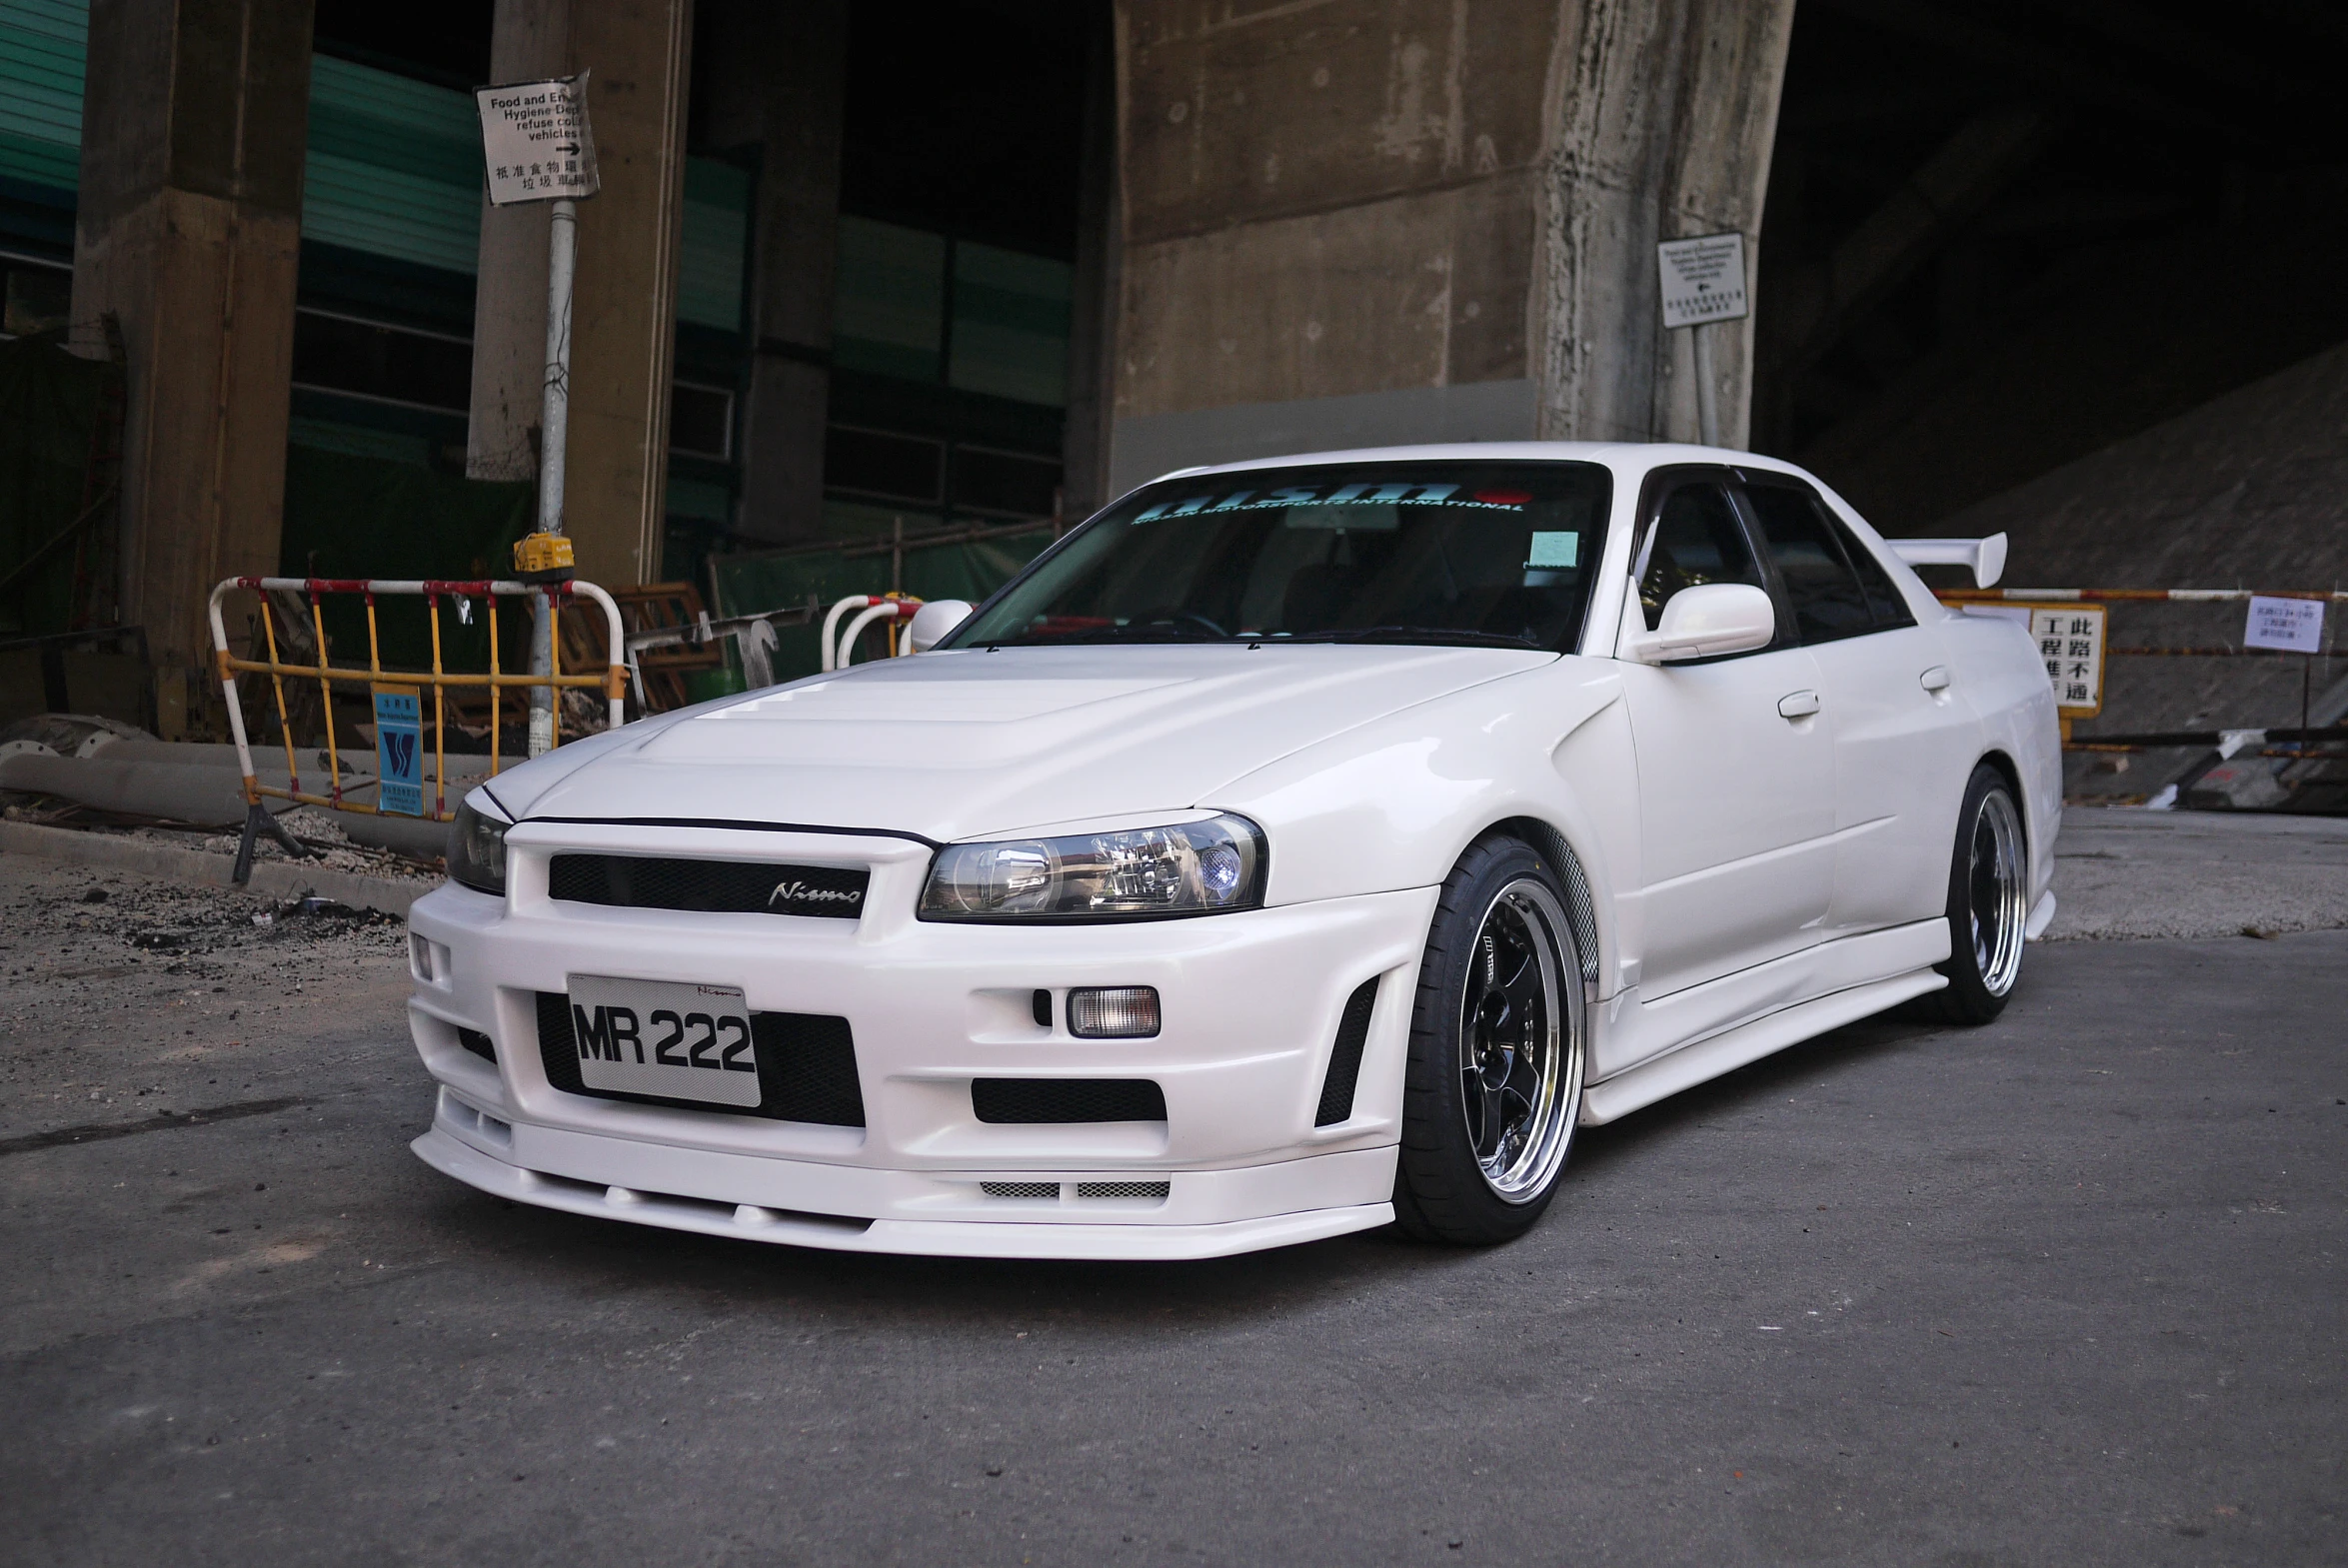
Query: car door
[
  {"x": 1735, "y": 762},
  {"x": 1904, "y": 744}
]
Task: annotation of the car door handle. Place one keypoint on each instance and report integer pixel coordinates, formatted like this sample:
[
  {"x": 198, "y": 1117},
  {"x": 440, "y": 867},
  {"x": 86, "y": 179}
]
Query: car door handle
[
  {"x": 1798, "y": 705},
  {"x": 1936, "y": 679}
]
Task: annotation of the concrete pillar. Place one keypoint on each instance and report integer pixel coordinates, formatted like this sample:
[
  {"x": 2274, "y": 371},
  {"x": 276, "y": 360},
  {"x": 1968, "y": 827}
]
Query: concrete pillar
[
  {"x": 776, "y": 79},
  {"x": 529, "y": 40},
  {"x": 624, "y": 306},
  {"x": 189, "y": 231},
  {"x": 1376, "y": 221}
]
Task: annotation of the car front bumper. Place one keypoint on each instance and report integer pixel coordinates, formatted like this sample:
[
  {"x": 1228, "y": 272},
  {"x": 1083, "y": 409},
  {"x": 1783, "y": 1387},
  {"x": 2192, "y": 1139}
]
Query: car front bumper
[{"x": 1252, "y": 1005}]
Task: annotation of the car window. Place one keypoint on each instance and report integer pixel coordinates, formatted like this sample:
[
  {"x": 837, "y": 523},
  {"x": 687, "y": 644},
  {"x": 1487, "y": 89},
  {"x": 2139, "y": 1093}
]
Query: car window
[
  {"x": 1883, "y": 597},
  {"x": 1827, "y": 597},
  {"x": 1697, "y": 539},
  {"x": 1460, "y": 551}
]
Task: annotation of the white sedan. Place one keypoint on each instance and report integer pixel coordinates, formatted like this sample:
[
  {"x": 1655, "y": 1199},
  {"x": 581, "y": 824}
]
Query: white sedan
[{"x": 1296, "y": 848}]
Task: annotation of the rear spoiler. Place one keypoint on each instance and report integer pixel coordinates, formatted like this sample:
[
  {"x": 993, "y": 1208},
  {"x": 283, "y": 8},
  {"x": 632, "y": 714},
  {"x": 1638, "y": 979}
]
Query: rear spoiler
[{"x": 1985, "y": 555}]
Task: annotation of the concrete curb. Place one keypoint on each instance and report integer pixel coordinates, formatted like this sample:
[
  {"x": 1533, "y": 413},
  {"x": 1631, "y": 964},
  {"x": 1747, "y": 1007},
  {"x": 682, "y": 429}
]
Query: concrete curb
[{"x": 273, "y": 879}]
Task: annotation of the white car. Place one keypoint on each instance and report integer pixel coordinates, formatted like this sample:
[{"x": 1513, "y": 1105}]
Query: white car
[{"x": 1296, "y": 848}]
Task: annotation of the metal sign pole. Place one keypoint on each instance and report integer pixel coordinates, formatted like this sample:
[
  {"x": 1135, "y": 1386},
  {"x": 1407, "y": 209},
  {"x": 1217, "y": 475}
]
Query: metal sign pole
[
  {"x": 1703, "y": 285},
  {"x": 554, "y": 433},
  {"x": 1707, "y": 393},
  {"x": 537, "y": 147}
]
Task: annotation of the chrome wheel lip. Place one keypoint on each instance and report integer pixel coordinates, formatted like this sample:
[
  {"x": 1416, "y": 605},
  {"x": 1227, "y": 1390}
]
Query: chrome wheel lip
[
  {"x": 1547, "y": 1069},
  {"x": 1998, "y": 892}
]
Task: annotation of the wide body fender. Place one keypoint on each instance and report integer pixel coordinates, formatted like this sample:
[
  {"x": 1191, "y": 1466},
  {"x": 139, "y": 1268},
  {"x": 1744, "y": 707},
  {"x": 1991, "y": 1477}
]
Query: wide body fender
[{"x": 1394, "y": 803}]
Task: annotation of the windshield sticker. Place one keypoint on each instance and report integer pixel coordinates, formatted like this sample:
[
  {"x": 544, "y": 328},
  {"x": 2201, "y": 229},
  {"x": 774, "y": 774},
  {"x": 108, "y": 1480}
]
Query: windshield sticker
[
  {"x": 1406, "y": 493},
  {"x": 1554, "y": 550}
]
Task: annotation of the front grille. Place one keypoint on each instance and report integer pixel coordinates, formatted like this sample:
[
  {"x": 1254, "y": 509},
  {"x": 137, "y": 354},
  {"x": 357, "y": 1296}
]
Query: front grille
[
  {"x": 1020, "y": 1190},
  {"x": 1066, "y": 1099},
  {"x": 643, "y": 882},
  {"x": 1124, "y": 1189},
  {"x": 807, "y": 1066},
  {"x": 477, "y": 1042},
  {"x": 1345, "y": 1057}
]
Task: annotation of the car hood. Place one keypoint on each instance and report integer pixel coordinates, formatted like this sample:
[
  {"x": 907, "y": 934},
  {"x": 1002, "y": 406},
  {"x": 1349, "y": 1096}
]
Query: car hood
[{"x": 962, "y": 744}]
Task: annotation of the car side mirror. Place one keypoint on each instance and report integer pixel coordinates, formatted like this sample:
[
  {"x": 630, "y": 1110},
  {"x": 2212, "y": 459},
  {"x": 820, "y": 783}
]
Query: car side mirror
[
  {"x": 1705, "y": 622},
  {"x": 933, "y": 619}
]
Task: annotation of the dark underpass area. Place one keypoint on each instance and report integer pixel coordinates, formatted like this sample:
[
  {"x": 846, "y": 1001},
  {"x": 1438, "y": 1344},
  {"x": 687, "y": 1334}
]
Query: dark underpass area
[{"x": 2067, "y": 1289}]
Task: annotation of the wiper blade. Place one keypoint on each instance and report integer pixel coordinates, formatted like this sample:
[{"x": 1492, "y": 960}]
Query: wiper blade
[
  {"x": 1412, "y": 633},
  {"x": 1139, "y": 634}
]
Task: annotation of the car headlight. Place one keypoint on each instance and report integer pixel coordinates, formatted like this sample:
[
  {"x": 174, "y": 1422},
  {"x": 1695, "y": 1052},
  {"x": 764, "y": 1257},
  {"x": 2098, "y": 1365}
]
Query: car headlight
[
  {"x": 477, "y": 850},
  {"x": 1190, "y": 868}
]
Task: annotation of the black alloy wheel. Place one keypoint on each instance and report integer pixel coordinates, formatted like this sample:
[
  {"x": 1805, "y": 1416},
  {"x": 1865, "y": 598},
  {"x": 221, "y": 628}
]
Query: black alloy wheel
[
  {"x": 1492, "y": 1087},
  {"x": 1988, "y": 902}
]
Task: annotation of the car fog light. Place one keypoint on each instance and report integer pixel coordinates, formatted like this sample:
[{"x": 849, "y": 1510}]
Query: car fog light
[{"x": 1113, "y": 1012}]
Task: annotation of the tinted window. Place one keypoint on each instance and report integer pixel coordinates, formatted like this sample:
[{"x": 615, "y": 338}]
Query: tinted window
[
  {"x": 1828, "y": 602},
  {"x": 1469, "y": 553},
  {"x": 1698, "y": 540},
  {"x": 1883, "y": 597}
]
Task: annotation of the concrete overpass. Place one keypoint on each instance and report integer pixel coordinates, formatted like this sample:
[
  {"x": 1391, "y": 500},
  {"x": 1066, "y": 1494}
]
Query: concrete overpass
[{"x": 983, "y": 253}]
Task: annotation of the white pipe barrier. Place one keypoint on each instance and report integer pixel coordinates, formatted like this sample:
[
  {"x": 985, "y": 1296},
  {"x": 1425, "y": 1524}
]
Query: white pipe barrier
[{"x": 836, "y": 657}]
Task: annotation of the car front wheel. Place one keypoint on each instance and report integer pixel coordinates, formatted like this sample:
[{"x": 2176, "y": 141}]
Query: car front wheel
[
  {"x": 1988, "y": 902},
  {"x": 1492, "y": 1088}
]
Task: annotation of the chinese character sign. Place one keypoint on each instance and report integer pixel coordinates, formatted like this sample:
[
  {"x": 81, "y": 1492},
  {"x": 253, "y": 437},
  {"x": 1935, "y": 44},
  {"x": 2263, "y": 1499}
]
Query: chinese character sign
[
  {"x": 2070, "y": 645},
  {"x": 2285, "y": 626},
  {"x": 399, "y": 750},
  {"x": 1703, "y": 279},
  {"x": 535, "y": 139}
]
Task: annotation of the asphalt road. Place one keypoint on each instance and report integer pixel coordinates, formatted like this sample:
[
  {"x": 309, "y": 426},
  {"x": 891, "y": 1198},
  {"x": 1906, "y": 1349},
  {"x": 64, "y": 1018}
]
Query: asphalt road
[{"x": 2069, "y": 1290}]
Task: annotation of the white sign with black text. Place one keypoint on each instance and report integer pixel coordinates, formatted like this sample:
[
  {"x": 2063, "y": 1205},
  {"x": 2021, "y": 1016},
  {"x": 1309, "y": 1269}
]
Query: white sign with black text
[
  {"x": 2070, "y": 645},
  {"x": 1703, "y": 279},
  {"x": 2285, "y": 626},
  {"x": 537, "y": 141}
]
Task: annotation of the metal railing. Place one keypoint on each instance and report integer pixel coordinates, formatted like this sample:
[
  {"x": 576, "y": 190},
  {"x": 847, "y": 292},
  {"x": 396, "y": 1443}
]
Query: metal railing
[
  {"x": 2300, "y": 742},
  {"x": 611, "y": 681},
  {"x": 892, "y": 607}
]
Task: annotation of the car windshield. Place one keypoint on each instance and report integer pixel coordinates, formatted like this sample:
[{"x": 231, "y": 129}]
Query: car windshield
[{"x": 1482, "y": 554}]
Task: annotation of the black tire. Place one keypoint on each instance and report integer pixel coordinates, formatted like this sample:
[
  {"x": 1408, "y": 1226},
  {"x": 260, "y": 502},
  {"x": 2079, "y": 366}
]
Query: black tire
[
  {"x": 1472, "y": 1171},
  {"x": 1988, "y": 902}
]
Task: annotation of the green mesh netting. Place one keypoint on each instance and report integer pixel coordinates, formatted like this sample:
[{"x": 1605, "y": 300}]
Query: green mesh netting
[
  {"x": 971, "y": 569},
  {"x": 348, "y": 516}
]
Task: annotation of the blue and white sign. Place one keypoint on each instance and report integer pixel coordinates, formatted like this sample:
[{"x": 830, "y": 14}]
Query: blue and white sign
[{"x": 399, "y": 750}]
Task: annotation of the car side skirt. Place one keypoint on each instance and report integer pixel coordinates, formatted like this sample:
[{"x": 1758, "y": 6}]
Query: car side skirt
[{"x": 1691, "y": 1065}]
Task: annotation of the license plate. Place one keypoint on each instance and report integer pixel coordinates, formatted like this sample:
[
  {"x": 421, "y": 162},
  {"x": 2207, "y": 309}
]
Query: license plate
[{"x": 665, "y": 1040}]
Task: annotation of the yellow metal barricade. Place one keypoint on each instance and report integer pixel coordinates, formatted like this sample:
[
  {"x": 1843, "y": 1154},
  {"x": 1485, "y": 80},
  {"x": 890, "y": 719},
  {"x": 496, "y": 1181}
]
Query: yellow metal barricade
[{"x": 611, "y": 681}]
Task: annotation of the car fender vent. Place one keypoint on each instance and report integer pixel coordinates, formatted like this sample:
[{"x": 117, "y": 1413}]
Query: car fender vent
[
  {"x": 1345, "y": 1057},
  {"x": 807, "y": 1066},
  {"x": 1032, "y": 1100},
  {"x": 644, "y": 882}
]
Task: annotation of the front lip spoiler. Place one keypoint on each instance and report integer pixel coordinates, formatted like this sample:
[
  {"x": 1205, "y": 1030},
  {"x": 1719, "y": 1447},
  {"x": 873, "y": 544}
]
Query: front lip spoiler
[{"x": 922, "y": 1238}]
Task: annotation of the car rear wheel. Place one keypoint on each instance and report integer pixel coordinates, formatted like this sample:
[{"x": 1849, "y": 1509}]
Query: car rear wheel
[
  {"x": 1492, "y": 1088},
  {"x": 1988, "y": 902}
]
